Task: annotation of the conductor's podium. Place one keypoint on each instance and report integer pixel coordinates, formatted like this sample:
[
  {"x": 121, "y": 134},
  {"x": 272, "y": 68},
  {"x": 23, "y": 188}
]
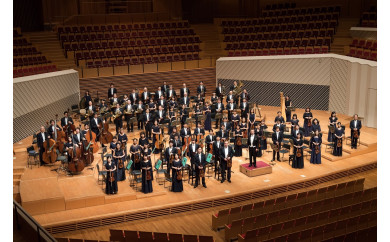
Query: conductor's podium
[{"x": 261, "y": 169}]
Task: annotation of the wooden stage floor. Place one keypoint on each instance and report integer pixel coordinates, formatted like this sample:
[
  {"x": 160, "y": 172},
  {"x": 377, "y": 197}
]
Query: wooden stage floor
[{"x": 56, "y": 199}]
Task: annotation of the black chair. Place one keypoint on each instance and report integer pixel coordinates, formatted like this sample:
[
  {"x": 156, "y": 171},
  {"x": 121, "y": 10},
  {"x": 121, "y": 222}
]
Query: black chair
[
  {"x": 102, "y": 174},
  {"x": 33, "y": 157}
]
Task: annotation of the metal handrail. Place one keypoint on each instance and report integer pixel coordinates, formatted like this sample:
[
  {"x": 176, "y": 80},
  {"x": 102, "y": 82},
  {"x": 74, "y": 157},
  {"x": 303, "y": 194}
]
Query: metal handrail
[{"x": 38, "y": 227}]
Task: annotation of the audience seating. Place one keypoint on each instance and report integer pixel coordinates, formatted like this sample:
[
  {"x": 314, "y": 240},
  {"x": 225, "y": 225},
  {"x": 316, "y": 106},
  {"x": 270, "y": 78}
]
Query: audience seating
[
  {"x": 362, "y": 48},
  {"x": 369, "y": 18},
  {"x": 222, "y": 217},
  {"x": 130, "y": 44}
]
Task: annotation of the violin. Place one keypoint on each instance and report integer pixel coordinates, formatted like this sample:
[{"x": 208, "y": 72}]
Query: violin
[
  {"x": 136, "y": 158},
  {"x": 112, "y": 178},
  {"x": 50, "y": 152},
  {"x": 148, "y": 175},
  {"x": 229, "y": 162},
  {"x": 179, "y": 175},
  {"x": 355, "y": 134},
  {"x": 238, "y": 141},
  {"x": 317, "y": 149},
  {"x": 120, "y": 162},
  {"x": 339, "y": 143},
  {"x": 299, "y": 152},
  {"x": 76, "y": 163},
  {"x": 201, "y": 172}
]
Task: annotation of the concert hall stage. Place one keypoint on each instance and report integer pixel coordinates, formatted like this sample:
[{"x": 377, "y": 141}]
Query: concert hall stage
[{"x": 61, "y": 203}]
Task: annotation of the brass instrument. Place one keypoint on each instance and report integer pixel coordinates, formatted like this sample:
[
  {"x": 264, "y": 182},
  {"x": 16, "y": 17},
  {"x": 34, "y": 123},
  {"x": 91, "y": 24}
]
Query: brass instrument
[
  {"x": 237, "y": 91},
  {"x": 117, "y": 114},
  {"x": 114, "y": 105},
  {"x": 317, "y": 149}
]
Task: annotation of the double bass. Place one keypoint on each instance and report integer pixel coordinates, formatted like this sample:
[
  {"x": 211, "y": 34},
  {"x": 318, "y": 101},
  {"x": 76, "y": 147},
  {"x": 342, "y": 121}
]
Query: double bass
[
  {"x": 49, "y": 154},
  {"x": 91, "y": 137},
  {"x": 76, "y": 164},
  {"x": 87, "y": 151},
  {"x": 105, "y": 135},
  {"x": 59, "y": 136}
]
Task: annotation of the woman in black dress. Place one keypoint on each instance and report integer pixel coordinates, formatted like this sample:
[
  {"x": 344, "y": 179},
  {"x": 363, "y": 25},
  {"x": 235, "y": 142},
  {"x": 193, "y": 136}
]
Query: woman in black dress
[
  {"x": 135, "y": 150},
  {"x": 338, "y": 140},
  {"x": 147, "y": 175},
  {"x": 156, "y": 130},
  {"x": 122, "y": 138},
  {"x": 88, "y": 98},
  {"x": 294, "y": 121},
  {"x": 173, "y": 103},
  {"x": 197, "y": 112},
  {"x": 251, "y": 119},
  {"x": 288, "y": 103},
  {"x": 143, "y": 140},
  {"x": 315, "y": 126},
  {"x": 263, "y": 141},
  {"x": 333, "y": 123},
  {"x": 177, "y": 165},
  {"x": 237, "y": 135},
  {"x": 113, "y": 144},
  {"x": 244, "y": 127},
  {"x": 315, "y": 146},
  {"x": 111, "y": 186},
  {"x": 298, "y": 161},
  {"x": 119, "y": 160},
  {"x": 171, "y": 117},
  {"x": 207, "y": 113},
  {"x": 235, "y": 120},
  {"x": 306, "y": 116}
]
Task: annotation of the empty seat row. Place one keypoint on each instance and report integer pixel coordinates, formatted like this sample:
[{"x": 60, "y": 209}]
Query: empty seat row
[
  {"x": 122, "y": 27},
  {"x": 292, "y": 11},
  {"x": 315, "y": 213},
  {"x": 364, "y": 43},
  {"x": 90, "y": 45},
  {"x": 21, "y": 41},
  {"x": 27, "y": 71},
  {"x": 279, "y": 27},
  {"x": 281, "y": 51},
  {"x": 30, "y": 60},
  {"x": 70, "y": 37},
  {"x": 256, "y": 44},
  {"x": 128, "y": 235},
  {"x": 225, "y": 216},
  {"x": 17, "y": 51},
  {"x": 137, "y": 60},
  {"x": 363, "y": 53}
]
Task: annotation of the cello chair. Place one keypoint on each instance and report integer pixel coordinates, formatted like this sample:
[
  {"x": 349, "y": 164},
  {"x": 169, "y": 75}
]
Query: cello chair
[{"x": 33, "y": 157}]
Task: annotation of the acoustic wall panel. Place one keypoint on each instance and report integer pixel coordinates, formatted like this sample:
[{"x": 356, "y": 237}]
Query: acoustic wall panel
[
  {"x": 38, "y": 98},
  {"x": 267, "y": 93},
  {"x": 340, "y": 72}
]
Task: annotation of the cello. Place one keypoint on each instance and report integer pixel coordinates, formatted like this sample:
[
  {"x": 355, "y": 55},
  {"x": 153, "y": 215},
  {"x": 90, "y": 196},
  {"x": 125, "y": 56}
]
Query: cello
[
  {"x": 69, "y": 129},
  {"x": 105, "y": 134},
  {"x": 49, "y": 154},
  {"x": 59, "y": 136},
  {"x": 76, "y": 163},
  {"x": 91, "y": 137}
]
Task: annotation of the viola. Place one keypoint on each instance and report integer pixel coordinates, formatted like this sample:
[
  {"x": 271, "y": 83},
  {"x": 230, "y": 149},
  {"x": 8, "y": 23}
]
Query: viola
[
  {"x": 148, "y": 175},
  {"x": 309, "y": 123},
  {"x": 136, "y": 158},
  {"x": 238, "y": 141}
]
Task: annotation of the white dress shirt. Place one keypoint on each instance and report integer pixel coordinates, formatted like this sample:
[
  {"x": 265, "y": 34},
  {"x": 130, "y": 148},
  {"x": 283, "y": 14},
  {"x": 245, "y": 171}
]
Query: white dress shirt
[
  {"x": 252, "y": 138},
  {"x": 43, "y": 136},
  {"x": 226, "y": 152}
]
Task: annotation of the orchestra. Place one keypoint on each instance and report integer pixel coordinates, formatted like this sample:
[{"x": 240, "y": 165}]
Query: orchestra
[{"x": 189, "y": 136}]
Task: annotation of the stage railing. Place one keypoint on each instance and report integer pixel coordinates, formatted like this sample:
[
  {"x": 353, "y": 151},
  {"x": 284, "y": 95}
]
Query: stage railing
[{"x": 22, "y": 216}]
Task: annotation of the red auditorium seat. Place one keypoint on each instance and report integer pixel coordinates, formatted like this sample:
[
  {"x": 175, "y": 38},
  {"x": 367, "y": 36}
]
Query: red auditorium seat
[{"x": 301, "y": 50}]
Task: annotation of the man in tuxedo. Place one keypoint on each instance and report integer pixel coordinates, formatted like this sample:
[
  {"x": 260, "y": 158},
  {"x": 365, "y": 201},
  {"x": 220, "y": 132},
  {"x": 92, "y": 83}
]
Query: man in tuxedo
[
  {"x": 230, "y": 107},
  {"x": 176, "y": 142},
  {"x": 118, "y": 120},
  {"x": 184, "y": 90},
  {"x": 159, "y": 93},
  {"x": 111, "y": 91},
  {"x": 192, "y": 149},
  {"x": 95, "y": 121},
  {"x": 355, "y": 125},
  {"x": 226, "y": 154},
  {"x": 52, "y": 128},
  {"x": 219, "y": 107},
  {"x": 199, "y": 131},
  {"x": 217, "y": 145},
  {"x": 210, "y": 140},
  {"x": 185, "y": 132},
  {"x": 223, "y": 133},
  {"x": 201, "y": 89},
  {"x": 218, "y": 90},
  {"x": 162, "y": 103},
  {"x": 164, "y": 87},
  {"x": 78, "y": 137},
  {"x": 277, "y": 138},
  {"x": 41, "y": 137},
  {"x": 148, "y": 119},
  {"x": 145, "y": 96},
  {"x": 90, "y": 109},
  {"x": 200, "y": 164},
  {"x": 227, "y": 124},
  {"x": 234, "y": 86},
  {"x": 244, "y": 108},
  {"x": 229, "y": 97},
  {"x": 160, "y": 116},
  {"x": 140, "y": 109},
  {"x": 168, "y": 151},
  {"x": 253, "y": 145},
  {"x": 296, "y": 131},
  {"x": 66, "y": 120},
  {"x": 129, "y": 109},
  {"x": 134, "y": 97},
  {"x": 278, "y": 124},
  {"x": 170, "y": 93},
  {"x": 185, "y": 100},
  {"x": 245, "y": 95}
]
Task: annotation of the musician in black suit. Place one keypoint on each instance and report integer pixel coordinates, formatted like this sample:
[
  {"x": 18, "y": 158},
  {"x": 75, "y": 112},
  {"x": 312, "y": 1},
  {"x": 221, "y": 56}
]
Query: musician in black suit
[
  {"x": 199, "y": 131},
  {"x": 162, "y": 103},
  {"x": 296, "y": 131},
  {"x": 219, "y": 107},
  {"x": 229, "y": 97},
  {"x": 230, "y": 107},
  {"x": 87, "y": 97},
  {"x": 140, "y": 109},
  {"x": 210, "y": 140},
  {"x": 168, "y": 151},
  {"x": 52, "y": 127},
  {"x": 184, "y": 90},
  {"x": 177, "y": 142},
  {"x": 234, "y": 86},
  {"x": 280, "y": 118},
  {"x": 164, "y": 87},
  {"x": 118, "y": 120},
  {"x": 94, "y": 123},
  {"x": 158, "y": 94},
  {"x": 148, "y": 120},
  {"x": 111, "y": 91},
  {"x": 217, "y": 145},
  {"x": 134, "y": 97},
  {"x": 185, "y": 100},
  {"x": 223, "y": 133},
  {"x": 41, "y": 137},
  {"x": 278, "y": 124},
  {"x": 245, "y": 95},
  {"x": 200, "y": 163},
  {"x": 78, "y": 137},
  {"x": 184, "y": 132},
  {"x": 130, "y": 113},
  {"x": 253, "y": 145},
  {"x": 145, "y": 96},
  {"x": 277, "y": 138},
  {"x": 227, "y": 124},
  {"x": 201, "y": 89},
  {"x": 192, "y": 149},
  {"x": 355, "y": 125},
  {"x": 244, "y": 108},
  {"x": 226, "y": 153},
  {"x": 170, "y": 93},
  {"x": 66, "y": 119},
  {"x": 90, "y": 109},
  {"x": 218, "y": 90}
]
